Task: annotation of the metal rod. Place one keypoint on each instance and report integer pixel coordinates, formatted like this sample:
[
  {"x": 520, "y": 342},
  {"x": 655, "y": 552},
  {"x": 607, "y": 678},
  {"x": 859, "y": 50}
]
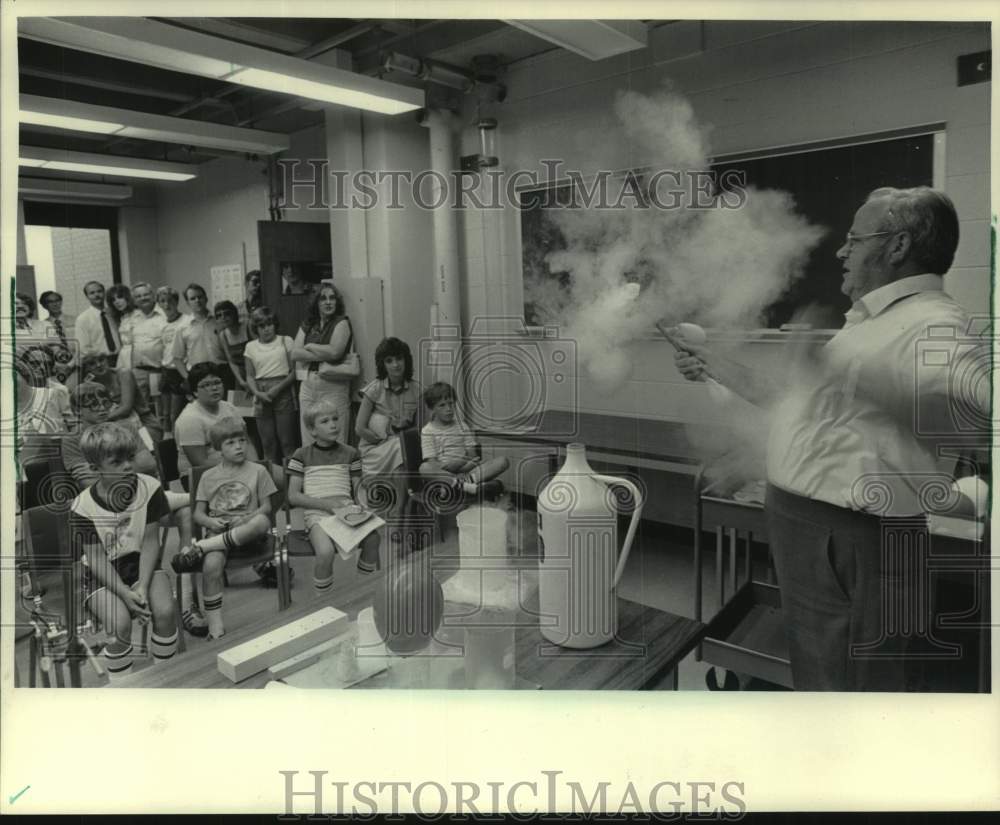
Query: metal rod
[
  {"x": 720, "y": 577},
  {"x": 733, "y": 546}
]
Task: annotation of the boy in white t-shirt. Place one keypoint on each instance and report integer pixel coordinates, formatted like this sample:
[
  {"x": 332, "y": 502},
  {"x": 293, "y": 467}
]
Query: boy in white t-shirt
[
  {"x": 233, "y": 507},
  {"x": 450, "y": 449},
  {"x": 113, "y": 525}
]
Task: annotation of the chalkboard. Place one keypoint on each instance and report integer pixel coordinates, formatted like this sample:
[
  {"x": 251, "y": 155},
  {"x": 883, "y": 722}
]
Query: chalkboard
[{"x": 828, "y": 186}]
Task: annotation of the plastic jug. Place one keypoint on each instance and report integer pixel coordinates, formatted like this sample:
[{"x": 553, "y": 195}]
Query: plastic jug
[{"x": 580, "y": 565}]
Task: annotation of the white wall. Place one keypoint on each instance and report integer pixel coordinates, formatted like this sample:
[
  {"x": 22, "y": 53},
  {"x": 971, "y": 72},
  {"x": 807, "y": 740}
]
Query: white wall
[
  {"x": 759, "y": 85},
  {"x": 210, "y": 221},
  {"x": 139, "y": 244}
]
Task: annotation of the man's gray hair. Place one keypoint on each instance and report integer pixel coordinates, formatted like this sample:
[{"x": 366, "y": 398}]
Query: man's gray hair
[
  {"x": 146, "y": 284},
  {"x": 929, "y": 216},
  {"x": 169, "y": 291}
]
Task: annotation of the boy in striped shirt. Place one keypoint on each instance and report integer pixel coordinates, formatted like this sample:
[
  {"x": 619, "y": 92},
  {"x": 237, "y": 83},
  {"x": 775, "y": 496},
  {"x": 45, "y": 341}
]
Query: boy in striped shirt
[{"x": 321, "y": 478}]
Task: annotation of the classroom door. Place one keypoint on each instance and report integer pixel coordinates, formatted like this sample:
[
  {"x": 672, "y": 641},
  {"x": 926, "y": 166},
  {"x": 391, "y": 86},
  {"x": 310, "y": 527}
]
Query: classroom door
[{"x": 294, "y": 258}]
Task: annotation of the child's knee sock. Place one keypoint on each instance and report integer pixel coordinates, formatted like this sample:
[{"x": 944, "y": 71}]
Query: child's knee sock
[
  {"x": 213, "y": 612},
  {"x": 163, "y": 647},
  {"x": 117, "y": 659},
  {"x": 322, "y": 586},
  {"x": 232, "y": 538}
]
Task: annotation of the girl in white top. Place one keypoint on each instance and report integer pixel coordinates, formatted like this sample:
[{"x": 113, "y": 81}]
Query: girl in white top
[{"x": 271, "y": 380}]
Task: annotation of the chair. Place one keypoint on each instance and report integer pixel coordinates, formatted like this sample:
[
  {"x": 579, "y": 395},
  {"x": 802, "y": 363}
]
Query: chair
[
  {"x": 57, "y": 637},
  {"x": 295, "y": 540},
  {"x": 166, "y": 460},
  {"x": 435, "y": 497},
  {"x": 273, "y": 551}
]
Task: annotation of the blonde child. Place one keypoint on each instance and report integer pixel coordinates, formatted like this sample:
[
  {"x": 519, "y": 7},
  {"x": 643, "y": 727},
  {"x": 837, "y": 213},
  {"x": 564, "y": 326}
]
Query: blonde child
[
  {"x": 233, "y": 506},
  {"x": 322, "y": 477},
  {"x": 114, "y": 526},
  {"x": 450, "y": 450}
]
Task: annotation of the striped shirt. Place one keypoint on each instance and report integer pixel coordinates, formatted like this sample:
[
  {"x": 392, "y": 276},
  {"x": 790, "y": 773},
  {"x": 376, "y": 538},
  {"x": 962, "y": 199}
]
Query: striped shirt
[{"x": 326, "y": 471}]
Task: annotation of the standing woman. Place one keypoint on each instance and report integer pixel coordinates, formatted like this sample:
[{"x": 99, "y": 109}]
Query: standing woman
[
  {"x": 118, "y": 300},
  {"x": 234, "y": 336},
  {"x": 389, "y": 405},
  {"x": 325, "y": 337},
  {"x": 197, "y": 342}
]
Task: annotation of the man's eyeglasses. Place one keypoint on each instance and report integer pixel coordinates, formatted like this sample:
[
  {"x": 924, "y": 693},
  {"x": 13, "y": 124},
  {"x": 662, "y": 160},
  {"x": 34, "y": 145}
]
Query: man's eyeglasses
[
  {"x": 853, "y": 239},
  {"x": 210, "y": 385}
]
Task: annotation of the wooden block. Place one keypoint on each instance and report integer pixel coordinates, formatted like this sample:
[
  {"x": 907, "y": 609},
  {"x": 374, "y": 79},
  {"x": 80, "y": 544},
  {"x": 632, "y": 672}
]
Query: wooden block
[
  {"x": 244, "y": 660},
  {"x": 303, "y": 659}
]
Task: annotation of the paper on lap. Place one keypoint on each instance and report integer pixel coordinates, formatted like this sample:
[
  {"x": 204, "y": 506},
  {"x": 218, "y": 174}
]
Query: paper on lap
[{"x": 345, "y": 538}]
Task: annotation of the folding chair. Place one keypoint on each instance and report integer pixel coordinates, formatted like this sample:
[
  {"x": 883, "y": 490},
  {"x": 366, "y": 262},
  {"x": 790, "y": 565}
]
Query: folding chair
[
  {"x": 295, "y": 540},
  {"x": 435, "y": 497},
  {"x": 57, "y": 640}
]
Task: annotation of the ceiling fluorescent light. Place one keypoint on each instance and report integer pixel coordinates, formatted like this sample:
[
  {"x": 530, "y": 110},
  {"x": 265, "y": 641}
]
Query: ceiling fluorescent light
[
  {"x": 86, "y": 117},
  {"x": 76, "y": 124},
  {"x": 302, "y": 87},
  {"x": 158, "y": 44},
  {"x": 593, "y": 39},
  {"x": 112, "y": 165},
  {"x": 45, "y": 188}
]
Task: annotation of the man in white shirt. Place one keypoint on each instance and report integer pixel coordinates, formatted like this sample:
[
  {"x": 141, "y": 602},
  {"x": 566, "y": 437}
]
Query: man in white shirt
[
  {"x": 95, "y": 331},
  {"x": 173, "y": 387},
  {"x": 147, "y": 322},
  {"x": 853, "y": 458}
]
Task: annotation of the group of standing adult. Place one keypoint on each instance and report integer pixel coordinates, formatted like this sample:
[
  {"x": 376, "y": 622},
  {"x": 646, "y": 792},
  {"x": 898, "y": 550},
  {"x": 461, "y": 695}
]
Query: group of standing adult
[{"x": 136, "y": 342}]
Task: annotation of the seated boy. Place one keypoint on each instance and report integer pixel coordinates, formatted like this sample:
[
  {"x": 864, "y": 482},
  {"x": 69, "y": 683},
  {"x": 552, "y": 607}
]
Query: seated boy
[
  {"x": 233, "y": 506},
  {"x": 90, "y": 403},
  {"x": 113, "y": 524},
  {"x": 451, "y": 450},
  {"x": 321, "y": 478}
]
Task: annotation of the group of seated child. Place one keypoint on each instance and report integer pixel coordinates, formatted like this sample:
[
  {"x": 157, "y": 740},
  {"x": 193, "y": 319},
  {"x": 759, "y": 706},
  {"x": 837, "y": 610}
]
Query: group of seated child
[{"x": 114, "y": 521}]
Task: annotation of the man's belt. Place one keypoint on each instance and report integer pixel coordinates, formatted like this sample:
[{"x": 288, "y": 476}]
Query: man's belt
[{"x": 145, "y": 368}]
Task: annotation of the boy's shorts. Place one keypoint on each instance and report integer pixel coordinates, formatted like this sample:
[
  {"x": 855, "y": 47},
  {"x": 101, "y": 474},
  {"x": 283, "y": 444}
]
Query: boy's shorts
[
  {"x": 126, "y": 566},
  {"x": 311, "y": 517},
  {"x": 173, "y": 383}
]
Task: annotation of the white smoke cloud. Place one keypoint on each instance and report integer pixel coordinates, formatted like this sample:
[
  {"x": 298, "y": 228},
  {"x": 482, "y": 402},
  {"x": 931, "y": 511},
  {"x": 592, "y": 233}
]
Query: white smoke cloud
[{"x": 719, "y": 267}]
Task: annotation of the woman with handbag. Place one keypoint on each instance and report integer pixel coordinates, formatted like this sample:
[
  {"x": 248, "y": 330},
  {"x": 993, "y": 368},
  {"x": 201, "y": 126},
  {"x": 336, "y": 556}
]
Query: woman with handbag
[
  {"x": 324, "y": 351},
  {"x": 271, "y": 379}
]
